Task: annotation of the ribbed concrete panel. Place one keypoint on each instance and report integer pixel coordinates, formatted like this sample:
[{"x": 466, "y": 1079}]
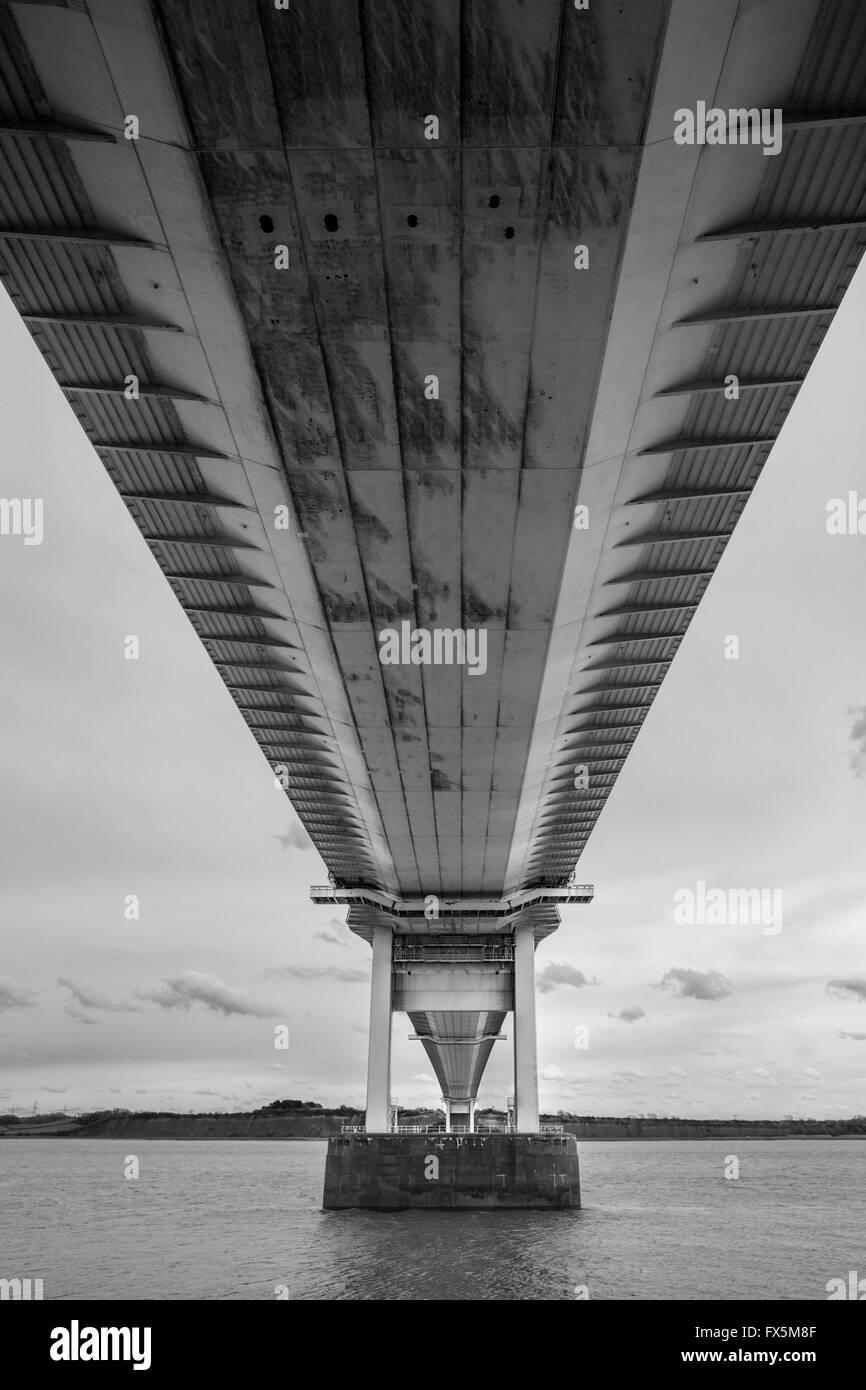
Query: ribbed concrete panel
[
  {"x": 201, "y": 489},
  {"x": 756, "y": 305}
]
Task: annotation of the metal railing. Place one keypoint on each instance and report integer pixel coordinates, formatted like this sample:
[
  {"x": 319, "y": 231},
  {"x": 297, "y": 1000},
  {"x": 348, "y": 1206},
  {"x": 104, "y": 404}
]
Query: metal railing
[
  {"x": 455, "y": 1129},
  {"x": 363, "y": 896},
  {"x": 504, "y": 953},
  {"x": 503, "y": 1128}
]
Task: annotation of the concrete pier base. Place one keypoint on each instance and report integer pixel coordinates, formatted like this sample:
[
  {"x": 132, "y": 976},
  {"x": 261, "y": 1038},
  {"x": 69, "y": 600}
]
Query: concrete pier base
[{"x": 489, "y": 1172}]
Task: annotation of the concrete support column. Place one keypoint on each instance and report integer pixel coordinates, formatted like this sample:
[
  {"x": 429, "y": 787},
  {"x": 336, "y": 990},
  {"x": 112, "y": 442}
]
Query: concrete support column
[
  {"x": 446, "y": 1102},
  {"x": 472, "y": 1105},
  {"x": 379, "y": 1049},
  {"x": 525, "y": 1045},
  {"x": 460, "y": 1114}
]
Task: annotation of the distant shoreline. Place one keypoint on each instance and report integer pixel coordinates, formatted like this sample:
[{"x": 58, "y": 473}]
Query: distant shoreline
[
  {"x": 320, "y": 1125},
  {"x": 323, "y": 1138}
]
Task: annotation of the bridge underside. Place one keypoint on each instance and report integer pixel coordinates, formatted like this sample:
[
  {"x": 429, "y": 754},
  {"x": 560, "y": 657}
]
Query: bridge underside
[{"x": 383, "y": 314}]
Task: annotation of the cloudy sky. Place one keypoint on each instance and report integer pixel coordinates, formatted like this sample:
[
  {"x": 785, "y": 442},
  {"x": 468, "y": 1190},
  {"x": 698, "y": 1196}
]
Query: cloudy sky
[{"x": 120, "y": 777}]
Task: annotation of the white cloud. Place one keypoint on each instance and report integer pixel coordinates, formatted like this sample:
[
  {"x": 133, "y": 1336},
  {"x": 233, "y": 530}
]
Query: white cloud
[
  {"x": 194, "y": 987},
  {"x": 14, "y": 996},
  {"x": 556, "y": 975},
  {"x": 696, "y": 984}
]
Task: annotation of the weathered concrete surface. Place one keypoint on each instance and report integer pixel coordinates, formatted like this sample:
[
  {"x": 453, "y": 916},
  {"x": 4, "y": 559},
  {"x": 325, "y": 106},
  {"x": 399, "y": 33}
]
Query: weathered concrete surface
[{"x": 440, "y": 1171}]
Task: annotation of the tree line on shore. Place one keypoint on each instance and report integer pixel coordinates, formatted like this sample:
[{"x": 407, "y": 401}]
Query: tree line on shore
[{"x": 600, "y": 1126}]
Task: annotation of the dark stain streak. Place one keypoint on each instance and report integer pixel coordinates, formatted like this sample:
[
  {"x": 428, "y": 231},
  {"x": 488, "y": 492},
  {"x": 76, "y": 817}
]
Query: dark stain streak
[
  {"x": 436, "y": 482},
  {"x": 582, "y": 78},
  {"x": 488, "y": 425},
  {"x": 507, "y": 81},
  {"x": 219, "y": 52},
  {"x": 318, "y": 496},
  {"x": 343, "y": 608},
  {"x": 418, "y": 276},
  {"x": 424, "y": 425},
  {"x": 475, "y": 611},
  {"x": 319, "y": 71},
  {"x": 347, "y": 286},
  {"x": 410, "y": 65},
  {"x": 300, "y": 403},
  {"x": 429, "y": 590},
  {"x": 440, "y": 783},
  {"x": 603, "y": 70},
  {"x": 403, "y": 704},
  {"x": 363, "y": 417},
  {"x": 387, "y": 607},
  {"x": 368, "y": 526},
  {"x": 589, "y": 188}
]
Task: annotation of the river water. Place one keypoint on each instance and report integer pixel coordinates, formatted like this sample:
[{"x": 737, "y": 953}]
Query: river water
[{"x": 242, "y": 1220}]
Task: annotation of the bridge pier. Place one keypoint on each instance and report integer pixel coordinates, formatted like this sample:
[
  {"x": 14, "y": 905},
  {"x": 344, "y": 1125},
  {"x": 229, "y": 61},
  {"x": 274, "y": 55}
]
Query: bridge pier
[
  {"x": 525, "y": 1038},
  {"x": 436, "y": 1172},
  {"x": 379, "y": 1044},
  {"x": 459, "y": 1114},
  {"x": 456, "y": 974}
]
